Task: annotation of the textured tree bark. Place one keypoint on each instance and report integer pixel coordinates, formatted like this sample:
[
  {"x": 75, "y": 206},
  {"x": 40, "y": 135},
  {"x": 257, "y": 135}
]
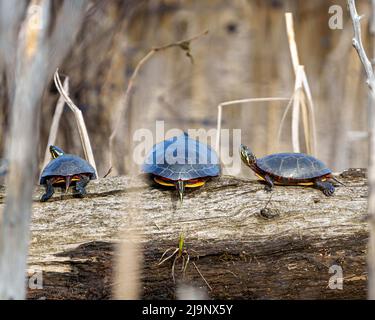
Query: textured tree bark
[{"x": 286, "y": 251}]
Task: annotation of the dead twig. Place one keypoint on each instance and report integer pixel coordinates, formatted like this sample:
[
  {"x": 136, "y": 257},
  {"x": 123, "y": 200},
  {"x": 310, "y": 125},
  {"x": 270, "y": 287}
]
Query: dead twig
[
  {"x": 357, "y": 44},
  {"x": 283, "y": 118},
  {"x": 204, "y": 279}
]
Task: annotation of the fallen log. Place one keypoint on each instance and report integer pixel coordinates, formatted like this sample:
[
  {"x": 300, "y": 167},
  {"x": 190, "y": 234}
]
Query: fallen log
[{"x": 294, "y": 246}]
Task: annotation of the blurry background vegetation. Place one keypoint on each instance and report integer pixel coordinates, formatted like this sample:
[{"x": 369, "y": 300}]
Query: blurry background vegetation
[{"x": 245, "y": 55}]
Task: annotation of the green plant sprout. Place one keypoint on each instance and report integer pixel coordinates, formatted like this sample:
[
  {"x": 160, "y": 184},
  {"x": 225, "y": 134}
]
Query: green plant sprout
[{"x": 180, "y": 252}]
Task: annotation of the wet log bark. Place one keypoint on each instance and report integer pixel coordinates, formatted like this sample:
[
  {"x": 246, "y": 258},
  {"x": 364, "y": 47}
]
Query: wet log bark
[{"x": 286, "y": 251}]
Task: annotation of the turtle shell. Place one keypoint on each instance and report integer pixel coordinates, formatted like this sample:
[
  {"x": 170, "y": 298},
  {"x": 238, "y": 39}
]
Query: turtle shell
[
  {"x": 182, "y": 158},
  {"x": 294, "y": 166},
  {"x": 67, "y": 165}
]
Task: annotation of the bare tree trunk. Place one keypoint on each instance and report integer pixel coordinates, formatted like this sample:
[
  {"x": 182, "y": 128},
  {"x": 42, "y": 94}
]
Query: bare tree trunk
[{"x": 304, "y": 246}]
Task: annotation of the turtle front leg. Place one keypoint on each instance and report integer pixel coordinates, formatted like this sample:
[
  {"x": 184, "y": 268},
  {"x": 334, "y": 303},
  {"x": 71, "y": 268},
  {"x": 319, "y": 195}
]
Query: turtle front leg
[
  {"x": 269, "y": 183},
  {"x": 326, "y": 186},
  {"x": 81, "y": 185},
  {"x": 49, "y": 190}
]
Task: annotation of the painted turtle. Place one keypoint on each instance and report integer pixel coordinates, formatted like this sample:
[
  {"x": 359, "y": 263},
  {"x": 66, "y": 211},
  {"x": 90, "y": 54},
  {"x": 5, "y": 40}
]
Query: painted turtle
[
  {"x": 290, "y": 169},
  {"x": 181, "y": 162},
  {"x": 63, "y": 170}
]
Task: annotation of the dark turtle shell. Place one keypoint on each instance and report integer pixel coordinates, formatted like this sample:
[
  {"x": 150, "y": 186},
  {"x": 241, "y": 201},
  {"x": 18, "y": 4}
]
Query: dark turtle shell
[
  {"x": 182, "y": 158},
  {"x": 67, "y": 165},
  {"x": 294, "y": 166}
]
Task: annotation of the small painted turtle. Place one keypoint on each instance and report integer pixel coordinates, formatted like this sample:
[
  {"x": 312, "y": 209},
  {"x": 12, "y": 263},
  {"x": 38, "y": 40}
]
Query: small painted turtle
[
  {"x": 63, "y": 170},
  {"x": 290, "y": 169},
  {"x": 181, "y": 162}
]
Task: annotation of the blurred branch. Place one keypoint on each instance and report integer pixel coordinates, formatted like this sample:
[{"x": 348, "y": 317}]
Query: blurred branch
[
  {"x": 128, "y": 266},
  {"x": 357, "y": 44},
  {"x": 67, "y": 25},
  {"x": 38, "y": 54},
  {"x": 184, "y": 45},
  {"x": 372, "y": 20},
  {"x": 3, "y": 167},
  {"x": 11, "y": 17}
]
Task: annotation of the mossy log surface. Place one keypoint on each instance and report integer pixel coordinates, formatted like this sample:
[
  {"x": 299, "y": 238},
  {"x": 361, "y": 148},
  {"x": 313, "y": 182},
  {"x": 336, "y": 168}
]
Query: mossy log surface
[{"x": 285, "y": 251}]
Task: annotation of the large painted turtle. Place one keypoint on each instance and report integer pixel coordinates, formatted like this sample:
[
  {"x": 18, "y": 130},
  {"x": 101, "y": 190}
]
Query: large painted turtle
[
  {"x": 181, "y": 162},
  {"x": 64, "y": 170},
  {"x": 290, "y": 169}
]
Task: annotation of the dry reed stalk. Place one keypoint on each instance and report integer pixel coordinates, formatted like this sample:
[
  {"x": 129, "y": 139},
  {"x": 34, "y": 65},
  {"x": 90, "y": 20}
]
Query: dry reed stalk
[
  {"x": 358, "y": 45},
  {"x": 83, "y": 134},
  {"x": 234, "y": 102},
  {"x": 55, "y": 123},
  {"x": 311, "y": 139},
  {"x": 124, "y": 102},
  {"x": 296, "y": 110},
  {"x": 283, "y": 118},
  {"x": 306, "y": 123},
  {"x": 301, "y": 84},
  {"x": 292, "y": 40}
]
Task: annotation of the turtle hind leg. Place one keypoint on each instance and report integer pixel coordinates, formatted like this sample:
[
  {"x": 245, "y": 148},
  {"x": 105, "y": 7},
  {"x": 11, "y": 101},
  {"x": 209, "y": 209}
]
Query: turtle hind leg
[
  {"x": 49, "y": 190},
  {"x": 269, "y": 183},
  {"x": 81, "y": 186},
  {"x": 326, "y": 186}
]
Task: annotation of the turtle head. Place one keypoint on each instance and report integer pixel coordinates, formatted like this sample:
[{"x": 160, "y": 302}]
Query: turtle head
[
  {"x": 56, "y": 152},
  {"x": 247, "y": 156}
]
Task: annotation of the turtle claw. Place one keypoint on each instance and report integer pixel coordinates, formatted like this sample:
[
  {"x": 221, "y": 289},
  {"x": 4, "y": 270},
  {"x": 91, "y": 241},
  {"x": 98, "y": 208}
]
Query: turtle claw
[
  {"x": 80, "y": 186},
  {"x": 49, "y": 191},
  {"x": 328, "y": 191},
  {"x": 45, "y": 197},
  {"x": 269, "y": 183},
  {"x": 267, "y": 188},
  {"x": 80, "y": 193},
  {"x": 327, "y": 188}
]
